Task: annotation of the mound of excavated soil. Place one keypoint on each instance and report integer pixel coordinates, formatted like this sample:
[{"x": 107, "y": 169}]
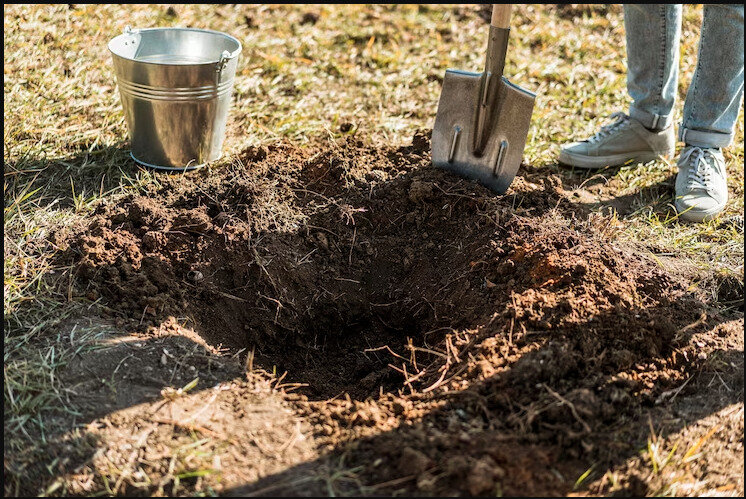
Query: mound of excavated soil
[{"x": 449, "y": 340}]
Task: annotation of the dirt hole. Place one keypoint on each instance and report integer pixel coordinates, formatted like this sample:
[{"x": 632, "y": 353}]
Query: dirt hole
[
  {"x": 287, "y": 261},
  {"x": 390, "y": 290},
  {"x": 357, "y": 269}
]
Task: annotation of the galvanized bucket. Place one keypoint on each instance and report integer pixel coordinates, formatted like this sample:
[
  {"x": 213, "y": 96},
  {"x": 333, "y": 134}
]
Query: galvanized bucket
[{"x": 176, "y": 86}]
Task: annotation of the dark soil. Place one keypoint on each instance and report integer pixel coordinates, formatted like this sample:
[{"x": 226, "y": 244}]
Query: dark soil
[{"x": 437, "y": 338}]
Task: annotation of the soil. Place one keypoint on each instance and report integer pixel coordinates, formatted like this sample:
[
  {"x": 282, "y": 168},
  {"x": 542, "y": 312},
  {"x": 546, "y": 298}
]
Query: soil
[{"x": 363, "y": 323}]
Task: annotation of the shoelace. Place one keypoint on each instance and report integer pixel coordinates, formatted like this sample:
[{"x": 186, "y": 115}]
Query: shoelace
[
  {"x": 621, "y": 119},
  {"x": 700, "y": 169}
]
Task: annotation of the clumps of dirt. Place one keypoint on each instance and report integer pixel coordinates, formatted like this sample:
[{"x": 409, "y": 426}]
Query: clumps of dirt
[
  {"x": 420, "y": 192},
  {"x": 457, "y": 340}
]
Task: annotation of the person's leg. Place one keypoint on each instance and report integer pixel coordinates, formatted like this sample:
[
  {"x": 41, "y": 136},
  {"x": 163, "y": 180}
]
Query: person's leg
[
  {"x": 710, "y": 113},
  {"x": 652, "y": 32},
  {"x": 714, "y": 96}
]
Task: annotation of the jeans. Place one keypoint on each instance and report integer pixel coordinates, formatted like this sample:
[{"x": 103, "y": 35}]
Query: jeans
[{"x": 714, "y": 96}]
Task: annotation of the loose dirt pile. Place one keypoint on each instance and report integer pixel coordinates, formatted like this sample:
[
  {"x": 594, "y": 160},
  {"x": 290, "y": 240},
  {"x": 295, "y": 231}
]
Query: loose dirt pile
[{"x": 437, "y": 338}]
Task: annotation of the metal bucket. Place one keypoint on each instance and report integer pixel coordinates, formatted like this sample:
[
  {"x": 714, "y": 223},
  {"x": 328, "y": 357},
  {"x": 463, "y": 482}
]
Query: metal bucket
[{"x": 176, "y": 86}]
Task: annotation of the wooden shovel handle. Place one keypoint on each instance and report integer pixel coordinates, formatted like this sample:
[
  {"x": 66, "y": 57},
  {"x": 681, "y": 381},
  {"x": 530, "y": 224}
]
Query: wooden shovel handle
[{"x": 501, "y": 15}]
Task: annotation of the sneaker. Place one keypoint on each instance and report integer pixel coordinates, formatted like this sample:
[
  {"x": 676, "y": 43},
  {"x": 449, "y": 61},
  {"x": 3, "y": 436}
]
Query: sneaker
[
  {"x": 616, "y": 144},
  {"x": 701, "y": 188}
]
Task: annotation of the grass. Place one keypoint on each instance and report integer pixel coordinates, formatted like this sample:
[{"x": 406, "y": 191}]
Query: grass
[
  {"x": 665, "y": 455},
  {"x": 33, "y": 391},
  {"x": 305, "y": 71}
]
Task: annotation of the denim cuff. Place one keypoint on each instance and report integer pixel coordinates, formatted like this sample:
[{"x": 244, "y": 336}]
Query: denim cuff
[
  {"x": 650, "y": 120},
  {"x": 699, "y": 138}
]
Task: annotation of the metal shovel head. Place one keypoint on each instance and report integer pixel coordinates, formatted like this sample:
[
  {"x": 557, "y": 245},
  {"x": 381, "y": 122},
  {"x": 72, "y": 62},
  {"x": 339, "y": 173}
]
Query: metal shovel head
[{"x": 453, "y": 133}]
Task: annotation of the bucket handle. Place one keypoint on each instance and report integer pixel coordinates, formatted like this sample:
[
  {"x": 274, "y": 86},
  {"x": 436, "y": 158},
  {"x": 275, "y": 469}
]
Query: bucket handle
[
  {"x": 224, "y": 58},
  {"x": 131, "y": 35}
]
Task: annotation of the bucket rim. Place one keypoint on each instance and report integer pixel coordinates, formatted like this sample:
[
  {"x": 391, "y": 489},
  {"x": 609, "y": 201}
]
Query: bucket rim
[{"x": 232, "y": 55}]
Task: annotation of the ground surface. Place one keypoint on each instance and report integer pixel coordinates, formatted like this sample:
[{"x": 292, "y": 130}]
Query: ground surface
[{"x": 322, "y": 312}]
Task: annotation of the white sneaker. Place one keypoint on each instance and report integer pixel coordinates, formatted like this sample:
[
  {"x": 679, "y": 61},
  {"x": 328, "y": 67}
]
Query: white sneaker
[
  {"x": 701, "y": 188},
  {"x": 615, "y": 144}
]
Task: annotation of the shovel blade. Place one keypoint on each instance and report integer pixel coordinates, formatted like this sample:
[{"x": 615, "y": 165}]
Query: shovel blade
[{"x": 455, "y": 123}]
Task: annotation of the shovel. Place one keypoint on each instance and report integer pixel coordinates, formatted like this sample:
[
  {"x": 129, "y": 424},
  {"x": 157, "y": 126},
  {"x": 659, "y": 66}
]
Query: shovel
[{"x": 482, "y": 120}]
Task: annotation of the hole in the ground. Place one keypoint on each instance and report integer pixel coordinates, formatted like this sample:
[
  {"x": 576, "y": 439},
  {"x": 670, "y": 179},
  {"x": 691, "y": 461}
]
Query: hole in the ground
[
  {"x": 355, "y": 360},
  {"x": 355, "y": 342},
  {"x": 327, "y": 262}
]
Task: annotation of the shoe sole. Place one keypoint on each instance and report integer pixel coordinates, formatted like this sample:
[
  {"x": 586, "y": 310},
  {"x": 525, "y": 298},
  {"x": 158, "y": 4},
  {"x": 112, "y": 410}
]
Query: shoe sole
[
  {"x": 691, "y": 215},
  {"x": 595, "y": 162}
]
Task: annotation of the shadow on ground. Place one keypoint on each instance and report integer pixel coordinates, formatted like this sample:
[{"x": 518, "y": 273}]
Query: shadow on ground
[
  {"x": 598, "y": 190},
  {"x": 534, "y": 428},
  {"x": 84, "y": 175}
]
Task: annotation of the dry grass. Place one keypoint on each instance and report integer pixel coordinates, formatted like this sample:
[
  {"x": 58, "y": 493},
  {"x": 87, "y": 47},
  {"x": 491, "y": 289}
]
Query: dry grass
[{"x": 304, "y": 72}]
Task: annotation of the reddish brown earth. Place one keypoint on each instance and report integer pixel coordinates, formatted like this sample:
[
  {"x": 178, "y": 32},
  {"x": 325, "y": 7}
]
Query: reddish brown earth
[{"x": 436, "y": 339}]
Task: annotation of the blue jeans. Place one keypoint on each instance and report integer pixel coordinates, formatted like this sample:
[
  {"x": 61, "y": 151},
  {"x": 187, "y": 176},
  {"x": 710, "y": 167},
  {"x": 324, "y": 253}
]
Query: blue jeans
[{"x": 714, "y": 97}]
